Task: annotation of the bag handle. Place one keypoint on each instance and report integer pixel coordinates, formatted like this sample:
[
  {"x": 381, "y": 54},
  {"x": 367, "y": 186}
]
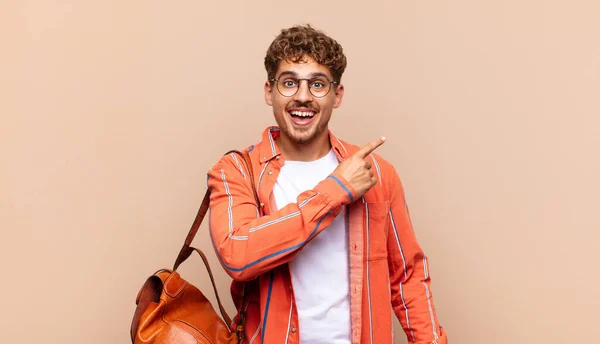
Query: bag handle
[{"x": 187, "y": 250}]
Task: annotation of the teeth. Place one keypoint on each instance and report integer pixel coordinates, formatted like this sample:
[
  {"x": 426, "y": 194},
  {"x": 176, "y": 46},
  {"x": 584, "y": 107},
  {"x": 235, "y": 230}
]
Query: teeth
[{"x": 302, "y": 113}]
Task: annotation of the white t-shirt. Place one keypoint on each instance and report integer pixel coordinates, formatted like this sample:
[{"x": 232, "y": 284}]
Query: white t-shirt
[{"x": 320, "y": 275}]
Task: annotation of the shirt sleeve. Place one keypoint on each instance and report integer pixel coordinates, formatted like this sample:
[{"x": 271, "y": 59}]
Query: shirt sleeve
[
  {"x": 410, "y": 281},
  {"x": 248, "y": 245}
]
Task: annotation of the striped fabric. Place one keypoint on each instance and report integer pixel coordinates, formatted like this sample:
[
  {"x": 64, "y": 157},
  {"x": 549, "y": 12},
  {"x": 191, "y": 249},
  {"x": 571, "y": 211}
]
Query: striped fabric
[{"x": 389, "y": 272}]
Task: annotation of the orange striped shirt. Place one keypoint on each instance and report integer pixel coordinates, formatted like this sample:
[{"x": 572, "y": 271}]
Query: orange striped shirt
[{"x": 388, "y": 270}]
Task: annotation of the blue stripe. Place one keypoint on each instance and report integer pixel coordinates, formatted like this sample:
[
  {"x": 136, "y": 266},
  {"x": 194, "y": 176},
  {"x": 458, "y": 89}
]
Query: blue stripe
[
  {"x": 343, "y": 186},
  {"x": 267, "y": 306},
  {"x": 368, "y": 233},
  {"x": 251, "y": 149},
  {"x": 399, "y": 244},
  {"x": 270, "y": 255}
]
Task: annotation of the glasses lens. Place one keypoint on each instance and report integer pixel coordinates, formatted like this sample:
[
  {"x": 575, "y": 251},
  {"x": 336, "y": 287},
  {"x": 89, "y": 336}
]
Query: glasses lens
[
  {"x": 287, "y": 86},
  {"x": 319, "y": 87}
]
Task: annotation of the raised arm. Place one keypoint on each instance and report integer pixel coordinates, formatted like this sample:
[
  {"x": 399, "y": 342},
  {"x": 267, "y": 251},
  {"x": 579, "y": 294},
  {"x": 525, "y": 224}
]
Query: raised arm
[{"x": 248, "y": 245}]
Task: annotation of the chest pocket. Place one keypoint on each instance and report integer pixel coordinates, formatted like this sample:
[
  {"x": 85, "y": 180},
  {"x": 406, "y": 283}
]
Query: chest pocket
[{"x": 376, "y": 229}]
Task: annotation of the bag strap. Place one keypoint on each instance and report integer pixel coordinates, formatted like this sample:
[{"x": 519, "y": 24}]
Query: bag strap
[{"x": 187, "y": 250}]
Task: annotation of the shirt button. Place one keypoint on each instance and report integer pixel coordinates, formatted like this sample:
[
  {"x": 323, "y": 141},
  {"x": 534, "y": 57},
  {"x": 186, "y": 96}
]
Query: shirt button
[
  {"x": 293, "y": 329},
  {"x": 262, "y": 205},
  {"x": 277, "y": 157},
  {"x": 270, "y": 172}
]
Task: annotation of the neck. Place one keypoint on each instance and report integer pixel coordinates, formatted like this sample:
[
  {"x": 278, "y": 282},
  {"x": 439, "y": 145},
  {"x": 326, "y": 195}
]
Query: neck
[{"x": 309, "y": 151}]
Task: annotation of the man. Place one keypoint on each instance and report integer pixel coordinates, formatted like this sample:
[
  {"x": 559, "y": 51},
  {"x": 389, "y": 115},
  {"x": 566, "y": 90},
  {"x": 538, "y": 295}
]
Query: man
[{"x": 334, "y": 251}]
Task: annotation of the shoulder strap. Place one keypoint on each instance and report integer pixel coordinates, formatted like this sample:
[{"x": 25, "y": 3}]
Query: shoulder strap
[{"x": 187, "y": 250}]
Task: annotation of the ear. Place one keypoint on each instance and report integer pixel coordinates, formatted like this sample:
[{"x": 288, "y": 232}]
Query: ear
[
  {"x": 339, "y": 94},
  {"x": 268, "y": 93}
]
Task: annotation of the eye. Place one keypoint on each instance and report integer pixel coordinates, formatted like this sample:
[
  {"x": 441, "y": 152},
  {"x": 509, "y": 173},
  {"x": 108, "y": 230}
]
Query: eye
[
  {"x": 289, "y": 83},
  {"x": 317, "y": 84}
]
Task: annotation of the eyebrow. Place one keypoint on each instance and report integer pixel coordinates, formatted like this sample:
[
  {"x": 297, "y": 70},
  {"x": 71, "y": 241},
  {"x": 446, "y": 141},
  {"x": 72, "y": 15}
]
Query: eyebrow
[{"x": 311, "y": 76}]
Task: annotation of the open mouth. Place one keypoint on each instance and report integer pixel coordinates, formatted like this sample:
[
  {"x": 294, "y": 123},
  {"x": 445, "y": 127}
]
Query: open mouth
[{"x": 302, "y": 117}]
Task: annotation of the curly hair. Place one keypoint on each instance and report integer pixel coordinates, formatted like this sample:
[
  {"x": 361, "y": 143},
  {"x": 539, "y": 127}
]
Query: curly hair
[{"x": 295, "y": 43}]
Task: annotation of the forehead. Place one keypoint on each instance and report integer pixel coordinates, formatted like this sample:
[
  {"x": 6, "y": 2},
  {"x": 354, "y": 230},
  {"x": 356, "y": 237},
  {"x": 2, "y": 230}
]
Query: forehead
[{"x": 303, "y": 68}]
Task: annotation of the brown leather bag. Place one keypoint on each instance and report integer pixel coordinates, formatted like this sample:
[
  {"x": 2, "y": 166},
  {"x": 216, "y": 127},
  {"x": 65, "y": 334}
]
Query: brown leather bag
[{"x": 170, "y": 310}]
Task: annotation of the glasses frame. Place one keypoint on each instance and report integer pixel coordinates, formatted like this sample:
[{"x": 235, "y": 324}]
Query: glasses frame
[{"x": 331, "y": 83}]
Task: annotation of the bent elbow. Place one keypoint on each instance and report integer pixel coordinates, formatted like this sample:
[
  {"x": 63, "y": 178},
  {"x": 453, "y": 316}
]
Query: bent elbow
[
  {"x": 240, "y": 275},
  {"x": 236, "y": 269}
]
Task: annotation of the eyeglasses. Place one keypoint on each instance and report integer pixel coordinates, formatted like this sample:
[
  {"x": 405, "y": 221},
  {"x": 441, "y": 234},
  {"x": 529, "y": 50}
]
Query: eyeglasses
[{"x": 288, "y": 86}]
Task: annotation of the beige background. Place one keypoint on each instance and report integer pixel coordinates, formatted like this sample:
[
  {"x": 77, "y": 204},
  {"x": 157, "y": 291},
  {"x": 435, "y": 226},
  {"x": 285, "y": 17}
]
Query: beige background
[{"x": 112, "y": 112}]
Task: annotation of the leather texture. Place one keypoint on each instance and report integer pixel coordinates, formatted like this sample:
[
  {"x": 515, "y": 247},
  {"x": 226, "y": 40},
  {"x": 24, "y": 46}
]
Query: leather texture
[{"x": 170, "y": 310}]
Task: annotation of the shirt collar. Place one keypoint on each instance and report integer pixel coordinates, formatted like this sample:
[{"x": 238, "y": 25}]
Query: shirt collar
[{"x": 269, "y": 150}]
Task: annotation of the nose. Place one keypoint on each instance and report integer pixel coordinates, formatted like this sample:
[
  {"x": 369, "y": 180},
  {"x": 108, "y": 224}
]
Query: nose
[{"x": 303, "y": 94}]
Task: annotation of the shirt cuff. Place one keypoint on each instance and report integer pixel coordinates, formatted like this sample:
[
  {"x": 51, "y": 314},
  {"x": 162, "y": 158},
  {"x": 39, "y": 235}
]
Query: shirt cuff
[{"x": 337, "y": 189}]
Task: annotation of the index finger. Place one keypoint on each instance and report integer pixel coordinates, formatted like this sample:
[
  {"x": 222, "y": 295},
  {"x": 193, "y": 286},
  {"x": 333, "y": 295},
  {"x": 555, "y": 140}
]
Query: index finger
[{"x": 370, "y": 147}]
